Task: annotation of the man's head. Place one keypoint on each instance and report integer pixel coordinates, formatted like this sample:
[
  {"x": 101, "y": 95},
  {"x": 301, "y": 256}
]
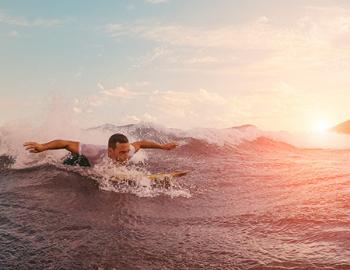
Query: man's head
[{"x": 118, "y": 147}]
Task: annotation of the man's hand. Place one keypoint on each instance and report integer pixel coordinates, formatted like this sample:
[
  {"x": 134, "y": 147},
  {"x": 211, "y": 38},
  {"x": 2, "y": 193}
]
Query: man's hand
[
  {"x": 153, "y": 145},
  {"x": 169, "y": 146},
  {"x": 34, "y": 147}
]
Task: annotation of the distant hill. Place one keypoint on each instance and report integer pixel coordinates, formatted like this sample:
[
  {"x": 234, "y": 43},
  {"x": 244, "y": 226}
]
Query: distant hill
[{"x": 342, "y": 127}]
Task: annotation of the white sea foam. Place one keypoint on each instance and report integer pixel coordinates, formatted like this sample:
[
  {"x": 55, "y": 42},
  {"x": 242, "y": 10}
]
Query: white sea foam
[{"x": 132, "y": 178}]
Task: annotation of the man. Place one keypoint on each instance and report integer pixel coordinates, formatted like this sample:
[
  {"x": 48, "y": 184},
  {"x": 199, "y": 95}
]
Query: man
[{"x": 119, "y": 149}]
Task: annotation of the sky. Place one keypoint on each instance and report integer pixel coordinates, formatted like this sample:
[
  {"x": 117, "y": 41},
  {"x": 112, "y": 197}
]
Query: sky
[{"x": 280, "y": 65}]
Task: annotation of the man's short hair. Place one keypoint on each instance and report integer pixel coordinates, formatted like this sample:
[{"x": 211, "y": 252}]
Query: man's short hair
[{"x": 117, "y": 138}]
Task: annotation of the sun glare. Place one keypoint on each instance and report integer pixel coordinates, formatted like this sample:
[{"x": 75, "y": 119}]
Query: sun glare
[{"x": 320, "y": 126}]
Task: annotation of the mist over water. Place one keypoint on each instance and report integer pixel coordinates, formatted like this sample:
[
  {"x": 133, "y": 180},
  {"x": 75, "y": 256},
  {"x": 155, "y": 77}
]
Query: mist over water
[{"x": 252, "y": 200}]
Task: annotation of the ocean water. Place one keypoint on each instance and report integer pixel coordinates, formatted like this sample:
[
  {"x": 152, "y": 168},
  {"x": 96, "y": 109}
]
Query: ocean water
[{"x": 252, "y": 200}]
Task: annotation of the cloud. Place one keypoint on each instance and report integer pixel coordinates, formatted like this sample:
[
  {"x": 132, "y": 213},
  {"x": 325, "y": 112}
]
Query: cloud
[
  {"x": 156, "y": 1},
  {"x": 14, "y": 34},
  {"x": 130, "y": 7},
  {"x": 153, "y": 56},
  {"x": 146, "y": 117},
  {"x": 104, "y": 97},
  {"x": 119, "y": 92},
  {"x": 208, "y": 108},
  {"x": 178, "y": 108},
  {"x": 5, "y": 18},
  {"x": 77, "y": 110},
  {"x": 262, "y": 71},
  {"x": 189, "y": 108},
  {"x": 319, "y": 38},
  {"x": 99, "y": 85},
  {"x": 315, "y": 26},
  {"x": 197, "y": 107},
  {"x": 229, "y": 36}
]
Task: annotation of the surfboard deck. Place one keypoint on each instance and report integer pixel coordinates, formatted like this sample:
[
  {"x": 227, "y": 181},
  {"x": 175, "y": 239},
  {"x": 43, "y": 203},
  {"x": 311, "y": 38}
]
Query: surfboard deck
[{"x": 163, "y": 180}]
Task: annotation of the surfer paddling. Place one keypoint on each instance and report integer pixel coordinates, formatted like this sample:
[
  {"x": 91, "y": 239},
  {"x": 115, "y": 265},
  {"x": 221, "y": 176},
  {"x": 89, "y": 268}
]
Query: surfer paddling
[{"x": 118, "y": 149}]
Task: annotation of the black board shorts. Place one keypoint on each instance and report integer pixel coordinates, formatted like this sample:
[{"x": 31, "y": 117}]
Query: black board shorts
[{"x": 76, "y": 160}]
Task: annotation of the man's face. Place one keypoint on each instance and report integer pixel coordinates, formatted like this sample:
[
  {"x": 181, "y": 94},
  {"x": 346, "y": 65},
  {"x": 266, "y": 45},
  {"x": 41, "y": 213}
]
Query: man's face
[{"x": 120, "y": 153}]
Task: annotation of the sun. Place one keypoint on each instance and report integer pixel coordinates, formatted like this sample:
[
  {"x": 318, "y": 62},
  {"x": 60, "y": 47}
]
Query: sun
[{"x": 321, "y": 126}]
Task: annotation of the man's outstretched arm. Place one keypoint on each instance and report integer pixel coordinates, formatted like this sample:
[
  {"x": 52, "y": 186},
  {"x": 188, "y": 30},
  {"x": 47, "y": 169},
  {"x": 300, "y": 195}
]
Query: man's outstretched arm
[
  {"x": 35, "y": 147},
  {"x": 153, "y": 145}
]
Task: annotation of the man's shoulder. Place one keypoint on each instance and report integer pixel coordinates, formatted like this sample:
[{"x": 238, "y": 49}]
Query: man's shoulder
[{"x": 93, "y": 152}]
